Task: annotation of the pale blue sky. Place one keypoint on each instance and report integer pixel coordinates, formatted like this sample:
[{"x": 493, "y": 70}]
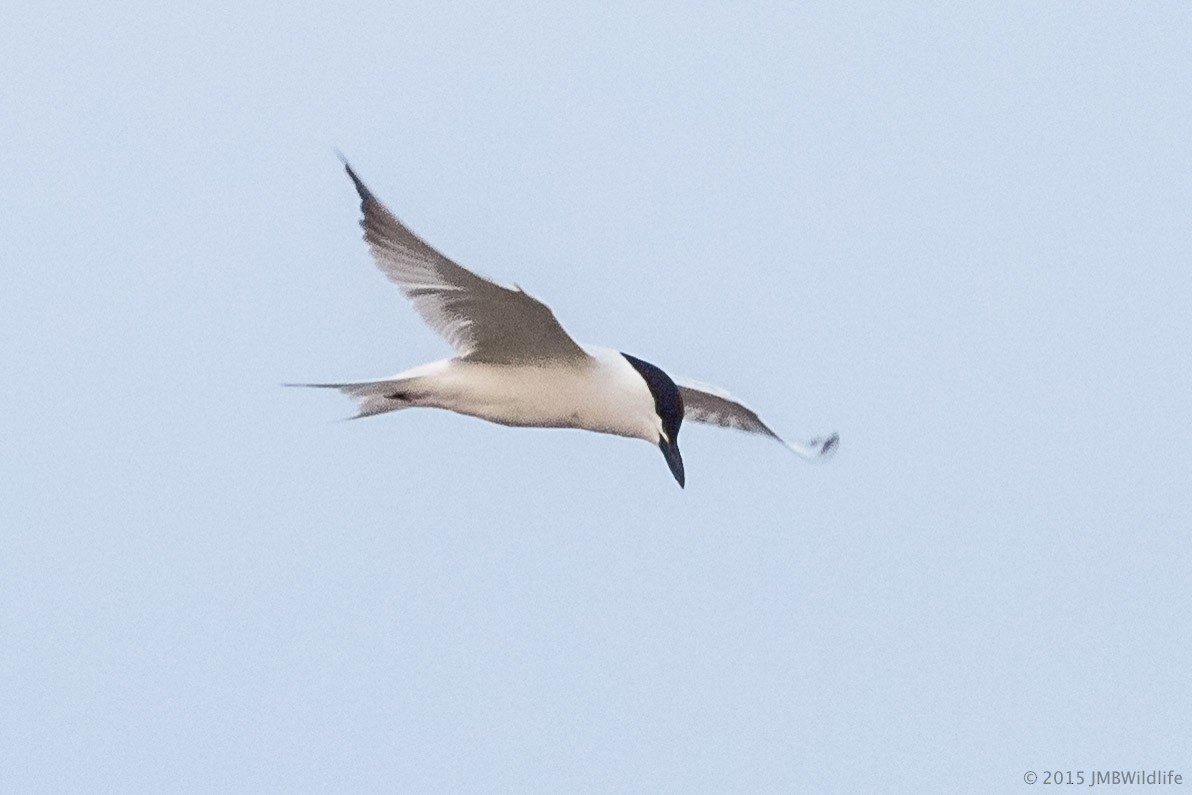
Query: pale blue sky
[{"x": 958, "y": 234}]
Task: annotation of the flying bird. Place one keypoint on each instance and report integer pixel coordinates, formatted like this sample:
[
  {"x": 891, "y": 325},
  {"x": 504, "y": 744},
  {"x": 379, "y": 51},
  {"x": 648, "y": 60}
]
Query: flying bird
[{"x": 516, "y": 366}]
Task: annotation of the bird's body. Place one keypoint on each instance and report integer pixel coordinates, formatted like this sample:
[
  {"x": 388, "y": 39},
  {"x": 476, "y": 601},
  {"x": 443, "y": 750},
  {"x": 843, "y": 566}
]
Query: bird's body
[
  {"x": 516, "y": 366},
  {"x": 602, "y": 393}
]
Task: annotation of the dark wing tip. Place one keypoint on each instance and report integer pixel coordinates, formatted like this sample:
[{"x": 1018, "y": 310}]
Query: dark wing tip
[
  {"x": 827, "y": 447},
  {"x": 376, "y": 219},
  {"x": 361, "y": 188}
]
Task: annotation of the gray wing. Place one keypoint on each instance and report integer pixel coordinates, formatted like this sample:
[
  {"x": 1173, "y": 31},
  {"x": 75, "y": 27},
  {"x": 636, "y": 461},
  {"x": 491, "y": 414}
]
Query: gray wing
[
  {"x": 713, "y": 406},
  {"x": 482, "y": 320}
]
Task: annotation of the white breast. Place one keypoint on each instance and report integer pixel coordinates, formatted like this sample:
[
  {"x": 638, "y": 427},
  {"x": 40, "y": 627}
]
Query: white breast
[{"x": 604, "y": 394}]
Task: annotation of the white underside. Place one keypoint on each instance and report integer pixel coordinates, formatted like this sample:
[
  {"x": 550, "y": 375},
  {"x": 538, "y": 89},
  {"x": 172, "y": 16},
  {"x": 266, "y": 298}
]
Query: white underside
[{"x": 604, "y": 394}]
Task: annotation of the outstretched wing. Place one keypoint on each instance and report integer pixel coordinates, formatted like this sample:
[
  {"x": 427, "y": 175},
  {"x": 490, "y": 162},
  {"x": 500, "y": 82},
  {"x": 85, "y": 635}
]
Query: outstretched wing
[
  {"x": 713, "y": 406},
  {"x": 482, "y": 320}
]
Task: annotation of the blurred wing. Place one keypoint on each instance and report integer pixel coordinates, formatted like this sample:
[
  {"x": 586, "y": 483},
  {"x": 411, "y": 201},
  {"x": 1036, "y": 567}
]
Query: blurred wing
[
  {"x": 713, "y": 406},
  {"x": 483, "y": 321}
]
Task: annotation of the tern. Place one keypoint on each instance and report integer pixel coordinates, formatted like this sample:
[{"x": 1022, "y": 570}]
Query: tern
[{"x": 516, "y": 366}]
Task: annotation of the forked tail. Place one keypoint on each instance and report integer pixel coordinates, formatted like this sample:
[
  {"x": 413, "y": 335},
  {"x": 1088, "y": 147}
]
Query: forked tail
[{"x": 373, "y": 397}]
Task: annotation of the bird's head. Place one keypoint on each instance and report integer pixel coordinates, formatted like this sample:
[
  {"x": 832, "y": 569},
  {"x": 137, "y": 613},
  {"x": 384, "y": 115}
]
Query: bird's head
[{"x": 668, "y": 404}]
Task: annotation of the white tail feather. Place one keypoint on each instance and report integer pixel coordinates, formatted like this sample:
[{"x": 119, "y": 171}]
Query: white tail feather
[{"x": 372, "y": 397}]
